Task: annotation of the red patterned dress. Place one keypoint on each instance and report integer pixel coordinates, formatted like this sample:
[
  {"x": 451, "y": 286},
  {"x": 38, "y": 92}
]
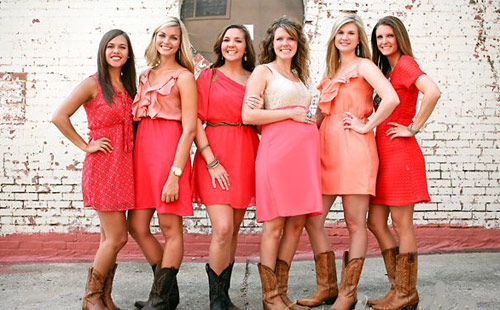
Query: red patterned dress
[
  {"x": 401, "y": 177},
  {"x": 108, "y": 179}
]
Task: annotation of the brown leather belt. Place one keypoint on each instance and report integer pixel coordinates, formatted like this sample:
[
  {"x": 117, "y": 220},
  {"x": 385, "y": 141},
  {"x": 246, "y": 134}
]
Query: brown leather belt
[{"x": 224, "y": 124}]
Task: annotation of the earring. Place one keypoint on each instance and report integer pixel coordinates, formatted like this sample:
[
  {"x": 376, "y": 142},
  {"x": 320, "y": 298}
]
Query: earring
[
  {"x": 245, "y": 56},
  {"x": 358, "y": 50}
]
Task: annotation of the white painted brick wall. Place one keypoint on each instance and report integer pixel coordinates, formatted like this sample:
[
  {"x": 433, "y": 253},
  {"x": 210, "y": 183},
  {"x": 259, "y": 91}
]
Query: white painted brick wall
[{"x": 48, "y": 47}]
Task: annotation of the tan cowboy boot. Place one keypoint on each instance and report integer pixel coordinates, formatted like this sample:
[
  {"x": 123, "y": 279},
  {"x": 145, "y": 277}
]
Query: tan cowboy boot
[
  {"x": 351, "y": 271},
  {"x": 326, "y": 281},
  {"x": 271, "y": 300},
  {"x": 108, "y": 286},
  {"x": 92, "y": 300},
  {"x": 389, "y": 256},
  {"x": 405, "y": 296},
  {"x": 282, "y": 270}
]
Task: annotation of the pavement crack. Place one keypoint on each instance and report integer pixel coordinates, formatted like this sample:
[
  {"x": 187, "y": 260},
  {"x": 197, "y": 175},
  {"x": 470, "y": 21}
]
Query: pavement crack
[{"x": 244, "y": 285}]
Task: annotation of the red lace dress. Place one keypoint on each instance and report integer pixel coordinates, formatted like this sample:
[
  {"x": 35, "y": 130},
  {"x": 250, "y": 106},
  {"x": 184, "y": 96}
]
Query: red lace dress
[
  {"x": 401, "y": 177},
  {"x": 108, "y": 179}
]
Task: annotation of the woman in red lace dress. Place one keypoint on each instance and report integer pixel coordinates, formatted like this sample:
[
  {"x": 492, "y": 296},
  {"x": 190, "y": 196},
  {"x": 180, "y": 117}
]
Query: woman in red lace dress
[
  {"x": 224, "y": 166},
  {"x": 401, "y": 181},
  {"x": 108, "y": 181}
]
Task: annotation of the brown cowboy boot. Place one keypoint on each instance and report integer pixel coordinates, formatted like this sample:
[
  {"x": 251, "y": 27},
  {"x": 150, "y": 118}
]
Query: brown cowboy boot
[
  {"x": 405, "y": 296},
  {"x": 389, "y": 256},
  {"x": 351, "y": 271},
  {"x": 92, "y": 300},
  {"x": 271, "y": 300},
  {"x": 282, "y": 270},
  {"x": 326, "y": 281},
  {"x": 108, "y": 286}
]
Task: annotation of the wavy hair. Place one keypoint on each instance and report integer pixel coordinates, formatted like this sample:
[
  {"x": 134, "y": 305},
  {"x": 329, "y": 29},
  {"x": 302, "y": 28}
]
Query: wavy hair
[
  {"x": 249, "y": 63},
  {"x": 300, "y": 61},
  {"x": 332, "y": 53},
  {"x": 402, "y": 38},
  {"x": 127, "y": 70},
  {"x": 183, "y": 56}
]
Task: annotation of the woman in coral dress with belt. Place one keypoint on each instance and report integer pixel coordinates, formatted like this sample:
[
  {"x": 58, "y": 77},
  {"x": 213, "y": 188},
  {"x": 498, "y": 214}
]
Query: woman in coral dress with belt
[
  {"x": 349, "y": 160},
  {"x": 287, "y": 166},
  {"x": 224, "y": 165},
  {"x": 401, "y": 179},
  {"x": 108, "y": 180},
  {"x": 166, "y": 109}
]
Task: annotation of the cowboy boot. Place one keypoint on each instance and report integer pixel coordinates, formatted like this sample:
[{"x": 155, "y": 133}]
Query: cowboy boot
[
  {"x": 108, "y": 286},
  {"x": 326, "y": 281},
  {"x": 351, "y": 271},
  {"x": 227, "y": 283},
  {"x": 217, "y": 285},
  {"x": 160, "y": 296},
  {"x": 282, "y": 270},
  {"x": 405, "y": 296},
  {"x": 271, "y": 300},
  {"x": 139, "y": 304},
  {"x": 389, "y": 256},
  {"x": 92, "y": 300}
]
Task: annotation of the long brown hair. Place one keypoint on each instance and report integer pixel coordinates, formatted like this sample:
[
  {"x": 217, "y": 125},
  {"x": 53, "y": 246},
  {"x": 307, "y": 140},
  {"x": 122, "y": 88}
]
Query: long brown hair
[
  {"x": 184, "y": 57},
  {"x": 249, "y": 63},
  {"x": 402, "y": 38},
  {"x": 127, "y": 70},
  {"x": 332, "y": 53},
  {"x": 300, "y": 61}
]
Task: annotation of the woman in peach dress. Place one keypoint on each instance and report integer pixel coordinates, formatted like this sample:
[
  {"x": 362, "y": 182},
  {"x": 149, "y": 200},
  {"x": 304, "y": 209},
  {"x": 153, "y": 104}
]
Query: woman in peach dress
[{"x": 349, "y": 159}]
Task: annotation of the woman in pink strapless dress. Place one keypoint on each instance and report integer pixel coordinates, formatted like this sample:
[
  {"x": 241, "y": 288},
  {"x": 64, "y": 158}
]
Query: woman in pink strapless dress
[{"x": 287, "y": 166}]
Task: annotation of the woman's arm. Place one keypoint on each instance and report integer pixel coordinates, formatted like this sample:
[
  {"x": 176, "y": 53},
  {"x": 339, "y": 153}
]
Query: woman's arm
[
  {"x": 256, "y": 85},
  {"x": 386, "y": 92},
  {"x": 84, "y": 92},
  {"x": 187, "y": 91}
]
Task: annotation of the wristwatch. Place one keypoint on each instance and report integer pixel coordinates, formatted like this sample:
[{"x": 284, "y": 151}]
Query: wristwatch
[{"x": 176, "y": 170}]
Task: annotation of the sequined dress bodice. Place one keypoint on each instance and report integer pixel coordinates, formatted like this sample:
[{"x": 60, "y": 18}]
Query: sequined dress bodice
[{"x": 282, "y": 92}]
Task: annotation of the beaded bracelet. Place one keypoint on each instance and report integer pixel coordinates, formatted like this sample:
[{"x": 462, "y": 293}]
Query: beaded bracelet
[
  {"x": 203, "y": 148},
  {"x": 213, "y": 164}
]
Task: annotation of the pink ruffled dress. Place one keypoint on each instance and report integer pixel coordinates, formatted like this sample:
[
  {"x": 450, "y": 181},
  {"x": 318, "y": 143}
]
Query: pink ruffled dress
[{"x": 158, "y": 109}]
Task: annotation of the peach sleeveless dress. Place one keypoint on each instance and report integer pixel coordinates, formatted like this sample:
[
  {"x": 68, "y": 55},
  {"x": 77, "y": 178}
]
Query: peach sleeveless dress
[
  {"x": 287, "y": 166},
  {"x": 349, "y": 160}
]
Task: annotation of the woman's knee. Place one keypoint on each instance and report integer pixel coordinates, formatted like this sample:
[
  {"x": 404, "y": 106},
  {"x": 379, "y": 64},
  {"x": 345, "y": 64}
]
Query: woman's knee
[
  {"x": 356, "y": 226},
  {"x": 116, "y": 242},
  {"x": 171, "y": 231},
  {"x": 223, "y": 232},
  {"x": 403, "y": 227},
  {"x": 376, "y": 226},
  {"x": 139, "y": 231},
  {"x": 273, "y": 231}
]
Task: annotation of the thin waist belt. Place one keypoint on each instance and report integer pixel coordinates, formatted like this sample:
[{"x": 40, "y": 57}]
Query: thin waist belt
[{"x": 225, "y": 124}]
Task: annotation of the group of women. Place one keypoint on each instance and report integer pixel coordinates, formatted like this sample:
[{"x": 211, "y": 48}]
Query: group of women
[{"x": 292, "y": 175}]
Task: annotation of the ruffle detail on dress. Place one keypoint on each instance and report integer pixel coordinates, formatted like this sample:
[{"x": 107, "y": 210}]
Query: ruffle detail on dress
[
  {"x": 146, "y": 104},
  {"x": 329, "y": 91}
]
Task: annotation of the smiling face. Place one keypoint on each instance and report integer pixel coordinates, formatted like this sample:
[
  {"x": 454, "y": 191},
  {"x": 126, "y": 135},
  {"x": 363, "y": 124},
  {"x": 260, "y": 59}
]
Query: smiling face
[
  {"x": 117, "y": 51},
  {"x": 387, "y": 43},
  {"x": 233, "y": 45},
  {"x": 285, "y": 46},
  {"x": 347, "y": 38},
  {"x": 168, "y": 41}
]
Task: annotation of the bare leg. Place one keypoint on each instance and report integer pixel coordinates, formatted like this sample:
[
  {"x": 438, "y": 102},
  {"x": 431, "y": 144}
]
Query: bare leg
[
  {"x": 114, "y": 225},
  {"x": 355, "y": 209},
  {"x": 219, "y": 253},
  {"x": 171, "y": 227},
  {"x": 139, "y": 222},
  {"x": 315, "y": 227},
  {"x": 269, "y": 244},
  {"x": 377, "y": 224},
  {"x": 402, "y": 219},
  {"x": 291, "y": 237},
  {"x": 238, "y": 215}
]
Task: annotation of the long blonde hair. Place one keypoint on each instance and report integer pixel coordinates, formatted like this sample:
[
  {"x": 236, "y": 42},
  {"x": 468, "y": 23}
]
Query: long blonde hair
[
  {"x": 332, "y": 53},
  {"x": 183, "y": 55},
  {"x": 300, "y": 61},
  {"x": 402, "y": 39}
]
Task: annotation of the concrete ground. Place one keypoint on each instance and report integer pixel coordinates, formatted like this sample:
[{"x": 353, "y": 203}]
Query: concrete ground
[{"x": 446, "y": 282}]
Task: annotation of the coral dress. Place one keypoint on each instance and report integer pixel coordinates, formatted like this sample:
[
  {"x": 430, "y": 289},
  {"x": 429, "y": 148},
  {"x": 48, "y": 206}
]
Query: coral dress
[
  {"x": 108, "y": 179},
  {"x": 287, "y": 166},
  {"x": 235, "y": 146},
  {"x": 401, "y": 177},
  {"x": 349, "y": 160},
  {"x": 158, "y": 108}
]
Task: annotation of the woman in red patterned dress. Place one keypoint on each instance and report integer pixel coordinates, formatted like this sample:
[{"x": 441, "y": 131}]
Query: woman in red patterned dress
[
  {"x": 224, "y": 166},
  {"x": 108, "y": 181},
  {"x": 401, "y": 181},
  {"x": 166, "y": 109}
]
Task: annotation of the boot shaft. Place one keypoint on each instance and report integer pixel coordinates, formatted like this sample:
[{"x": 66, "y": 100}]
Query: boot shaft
[
  {"x": 389, "y": 256},
  {"x": 351, "y": 272},
  {"x": 406, "y": 273},
  {"x": 282, "y": 270}
]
